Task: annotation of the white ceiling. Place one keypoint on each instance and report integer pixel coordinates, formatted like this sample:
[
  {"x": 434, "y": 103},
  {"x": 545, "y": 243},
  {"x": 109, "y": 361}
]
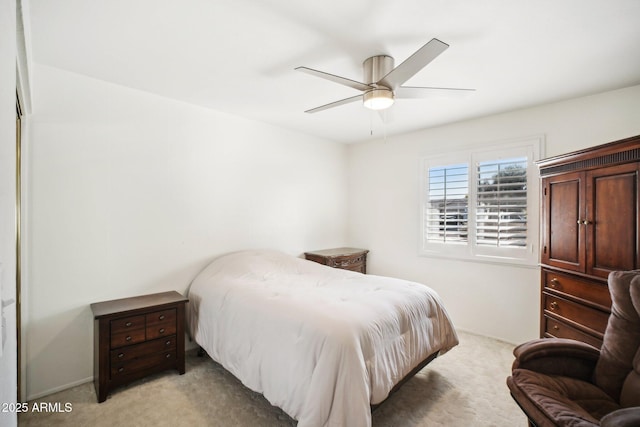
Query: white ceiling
[{"x": 239, "y": 56}]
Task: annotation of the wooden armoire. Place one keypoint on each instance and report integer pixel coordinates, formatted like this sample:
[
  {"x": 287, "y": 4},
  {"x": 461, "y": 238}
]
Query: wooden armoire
[{"x": 590, "y": 227}]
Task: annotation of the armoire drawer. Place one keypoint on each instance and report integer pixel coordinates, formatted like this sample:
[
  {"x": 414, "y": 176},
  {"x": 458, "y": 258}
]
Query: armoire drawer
[
  {"x": 557, "y": 329},
  {"x": 578, "y": 314},
  {"x": 591, "y": 292}
]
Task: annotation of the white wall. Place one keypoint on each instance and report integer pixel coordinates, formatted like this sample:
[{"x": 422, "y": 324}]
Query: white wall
[
  {"x": 131, "y": 193},
  {"x": 8, "y": 346},
  {"x": 494, "y": 300}
]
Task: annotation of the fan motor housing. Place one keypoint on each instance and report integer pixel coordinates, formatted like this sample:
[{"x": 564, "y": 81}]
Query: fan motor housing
[{"x": 376, "y": 67}]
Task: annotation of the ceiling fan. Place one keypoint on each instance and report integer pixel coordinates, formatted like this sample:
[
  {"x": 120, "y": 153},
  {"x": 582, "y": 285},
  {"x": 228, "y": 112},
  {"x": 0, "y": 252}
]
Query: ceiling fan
[{"x": 383, "y": 83}]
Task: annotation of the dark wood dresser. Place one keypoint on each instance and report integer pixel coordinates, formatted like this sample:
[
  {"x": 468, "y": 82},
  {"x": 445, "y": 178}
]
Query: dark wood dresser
[
  {"x": 346, "y": 258},
  {"x": 590, "y": 227},
  {"x": 135, "y": 337}
]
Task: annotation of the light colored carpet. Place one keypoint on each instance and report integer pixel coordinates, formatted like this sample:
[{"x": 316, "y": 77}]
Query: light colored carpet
[{"x": 465, "y": 387}]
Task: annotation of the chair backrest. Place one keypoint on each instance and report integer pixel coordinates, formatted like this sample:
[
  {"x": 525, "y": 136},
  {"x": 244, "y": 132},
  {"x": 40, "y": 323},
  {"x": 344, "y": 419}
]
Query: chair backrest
[{"x": 618, "y": 369}]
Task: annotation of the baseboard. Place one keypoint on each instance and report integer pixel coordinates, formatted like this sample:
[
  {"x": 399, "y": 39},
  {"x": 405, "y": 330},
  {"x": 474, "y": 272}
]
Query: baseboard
[
  {"x": 190, "y": 347},
  {"x": 60, "y": 388},
  {"x": 487, "y": 336}
]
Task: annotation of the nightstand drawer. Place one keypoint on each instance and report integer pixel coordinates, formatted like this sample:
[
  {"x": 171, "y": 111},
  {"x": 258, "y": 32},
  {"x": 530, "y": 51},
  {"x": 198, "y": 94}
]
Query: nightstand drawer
[
  {"x": 127, "y": 337},
  {"x": 161, "y": 330},
  {"x": 161, "y": 317},
  {"x": 344, "y": 258},
  {"x": 124, "y": 354},
  {"x": 161, "y": 323},
  {"x": 127, "y": 324},
  {"x": 348, "y": 263},
  {"x": 135, "y": 365}
]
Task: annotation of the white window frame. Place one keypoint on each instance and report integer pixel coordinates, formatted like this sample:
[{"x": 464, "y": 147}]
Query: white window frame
[{"x": 532, "y": 148}]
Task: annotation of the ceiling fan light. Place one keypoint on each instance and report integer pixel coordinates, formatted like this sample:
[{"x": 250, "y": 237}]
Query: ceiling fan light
[{"x": 378, "y": 99}]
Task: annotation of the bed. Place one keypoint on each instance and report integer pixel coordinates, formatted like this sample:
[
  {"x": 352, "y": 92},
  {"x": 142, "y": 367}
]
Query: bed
[{"x": 325, "y": 345}]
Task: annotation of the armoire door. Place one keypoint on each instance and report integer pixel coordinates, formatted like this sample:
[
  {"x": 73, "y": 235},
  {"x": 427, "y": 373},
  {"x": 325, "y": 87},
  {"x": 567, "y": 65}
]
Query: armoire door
[
  {"x": 563, "y": 243},
  {"x": 611, "y": 223}
]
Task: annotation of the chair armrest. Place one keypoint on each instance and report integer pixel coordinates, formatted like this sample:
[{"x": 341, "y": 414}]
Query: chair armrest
[
  {"x": 557, "y": 356},
  {"x": 627, "y": 417}
]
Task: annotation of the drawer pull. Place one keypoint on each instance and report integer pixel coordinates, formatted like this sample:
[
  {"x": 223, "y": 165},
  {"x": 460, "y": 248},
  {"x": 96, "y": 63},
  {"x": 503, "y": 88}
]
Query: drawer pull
[
  {"x": 161, "y": 330},
  {"x": 128, "y": 324},
  {"x": 128, "y": 338},
  {"x": 121, "y": 369},
  {"x": 553, "y": 305},
  {"x": 554, "y": 283},
  {"x": 556, "y": 328},
  {"x": 161, "y": 317},
  {"x": 167, "y": 343},
  {"x": 168, "y": 355},
  {"x": 120, "y": 356}
]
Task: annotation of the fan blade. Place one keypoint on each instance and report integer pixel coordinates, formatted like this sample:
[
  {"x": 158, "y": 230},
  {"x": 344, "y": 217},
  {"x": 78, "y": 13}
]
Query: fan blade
[
  {"x": 335, "y": 104},
  {"x": 428, "y": 92},
  {"x": 413, "y": 64},
  {"x": 336, "y": 79}
]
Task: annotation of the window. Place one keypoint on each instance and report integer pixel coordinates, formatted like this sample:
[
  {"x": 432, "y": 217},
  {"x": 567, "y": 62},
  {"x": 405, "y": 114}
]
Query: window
[{"x": 482, "y": 204}]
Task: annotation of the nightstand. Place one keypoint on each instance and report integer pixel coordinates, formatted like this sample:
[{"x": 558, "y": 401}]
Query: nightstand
[
  {"x": 346, "y": 258},
  {"x": 135, "y": 337}
]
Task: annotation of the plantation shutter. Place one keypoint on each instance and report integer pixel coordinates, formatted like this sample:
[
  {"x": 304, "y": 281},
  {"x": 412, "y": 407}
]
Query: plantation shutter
[
  {"x": 448, "y": 203},
  {"x": 501, "y": 209}
]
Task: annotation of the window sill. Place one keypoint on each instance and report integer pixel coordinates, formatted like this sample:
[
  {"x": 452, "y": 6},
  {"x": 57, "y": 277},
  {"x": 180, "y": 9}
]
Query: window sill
[{"x": 482, "y": 259}]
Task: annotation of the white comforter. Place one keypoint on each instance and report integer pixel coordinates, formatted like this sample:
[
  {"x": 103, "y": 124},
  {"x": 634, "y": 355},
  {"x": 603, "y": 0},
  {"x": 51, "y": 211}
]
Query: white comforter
[{"x": 323, "y": 344}]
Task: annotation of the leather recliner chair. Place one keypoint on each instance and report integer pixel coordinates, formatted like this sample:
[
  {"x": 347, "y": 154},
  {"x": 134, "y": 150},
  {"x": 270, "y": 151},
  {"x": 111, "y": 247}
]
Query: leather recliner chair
[{"x": 562, "y": 382}]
